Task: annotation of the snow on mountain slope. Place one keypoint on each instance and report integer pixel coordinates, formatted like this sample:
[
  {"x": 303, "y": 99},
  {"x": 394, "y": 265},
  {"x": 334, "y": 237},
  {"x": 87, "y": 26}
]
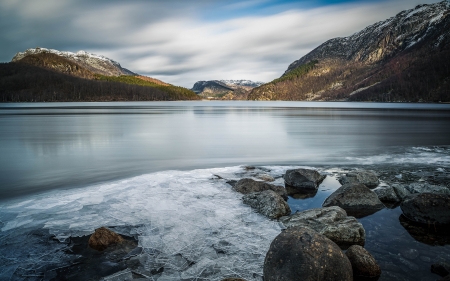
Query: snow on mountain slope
[{"x": 95, "y": 63}]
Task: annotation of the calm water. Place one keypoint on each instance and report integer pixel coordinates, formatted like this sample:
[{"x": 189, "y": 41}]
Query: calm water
[
  {"x": 61, "y": 145},
  {"x": 68, "y": 168}
]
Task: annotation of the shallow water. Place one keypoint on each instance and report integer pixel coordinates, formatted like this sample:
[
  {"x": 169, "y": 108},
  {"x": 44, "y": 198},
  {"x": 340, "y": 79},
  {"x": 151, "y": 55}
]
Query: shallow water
[{"x": 67, "y": 169}]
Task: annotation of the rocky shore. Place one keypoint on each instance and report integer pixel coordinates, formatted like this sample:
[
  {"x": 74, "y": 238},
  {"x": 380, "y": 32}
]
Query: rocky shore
[{"x": 327, "y": 242}]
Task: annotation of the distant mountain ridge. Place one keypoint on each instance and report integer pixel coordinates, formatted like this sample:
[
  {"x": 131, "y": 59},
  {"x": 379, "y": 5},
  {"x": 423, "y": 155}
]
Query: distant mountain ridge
[
  {"x": 403, "y": 58},
  {"x": 226, "y": 89},
  {"x": 95, "y": 63},
  {"x": 42, "y": 75}
]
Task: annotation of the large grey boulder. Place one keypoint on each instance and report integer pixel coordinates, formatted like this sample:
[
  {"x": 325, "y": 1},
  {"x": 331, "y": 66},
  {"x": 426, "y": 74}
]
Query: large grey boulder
[
  {"x": 427, "y": 208},
  {"x": 426, "y": 188},
  {"x": 303, "y": 179},
  {"x": 387, "y": 194},
  {"x": 267, "y": 203},
  {"x": 300, "y": 253},
  {"x": 367, "y": 178},
  {"x": 364, "y": 265},
  {"x": 246, "y": 186},
  {"x": 356, "y": 199},
  {"x": 331, "y": 222}
]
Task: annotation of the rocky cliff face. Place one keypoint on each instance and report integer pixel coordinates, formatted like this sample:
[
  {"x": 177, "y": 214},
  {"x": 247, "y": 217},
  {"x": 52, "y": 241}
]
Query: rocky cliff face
[
  {"x": 95, "y": 63},
  {"x": 383, "y": 62},
  {"x": 225, "y": 89}
]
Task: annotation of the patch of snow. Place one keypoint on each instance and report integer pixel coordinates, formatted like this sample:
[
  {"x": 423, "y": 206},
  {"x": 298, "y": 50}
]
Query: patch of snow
[{"x": 362, "y": 89}]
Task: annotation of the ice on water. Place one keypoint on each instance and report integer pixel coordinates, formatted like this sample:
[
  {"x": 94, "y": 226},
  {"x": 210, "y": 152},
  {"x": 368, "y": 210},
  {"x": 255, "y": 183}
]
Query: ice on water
[{"x": 189, "y": 222}]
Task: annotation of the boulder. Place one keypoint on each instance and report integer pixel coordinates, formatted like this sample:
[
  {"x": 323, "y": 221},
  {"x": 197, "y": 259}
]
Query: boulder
[
  {"x": 331, "y": 222},
  {"x": 297, "y": 193},
  {"x": 427, "y": 208},
  {"x": 246, "y": 186},
  {"x": 365, "y": 267},
  {"x": 367, "y": 178},
  {"x": 426, "y": 188},
  {"x": 303, "y": 179},
  {"x": 103, "y": 238},
  {"x": 357, "y": 199},
  {"x": 441, "y": 268},
  {"x": 401, "y": 192},
  {"x": 233, "y": 279},
  {"x": 300, "y": 253},
  {"x": 387, "y": 194},
  {"x": 265, "y": 177},
  {"x": 267, "y": 203}
]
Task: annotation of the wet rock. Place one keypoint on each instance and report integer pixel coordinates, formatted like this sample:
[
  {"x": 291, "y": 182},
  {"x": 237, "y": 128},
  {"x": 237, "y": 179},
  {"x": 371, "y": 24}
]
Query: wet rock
[
  {"x": 303, "y": 179},
  {"x": 103, "y": 238},
  {"x": 387, "y": 194},
  {"x": 246, "y": 186},
  {"x": 301, "y": 252},
  {"x": 356, "y": 199},
  {"x": 446, "y": 278},
  {"x": 233, "y": 279},
  {"x": 441, "y": 268},
  {"x": 267, "y": 203},
  {"x": 426, "y": 188},
  {"x": 401, "y": 192},
  {"x": 427, "y": 208},
  {"x": 265, "y": 177},
  {"x": 331, "y": 222},
  {"x": 368, "y": 178},
  {"x": 364, "y": 265},
  {"x": 232, "y": 182}
]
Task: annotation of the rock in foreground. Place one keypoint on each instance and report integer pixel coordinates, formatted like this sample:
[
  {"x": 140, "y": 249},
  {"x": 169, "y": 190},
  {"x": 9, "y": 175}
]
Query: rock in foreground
[
  {"x": 387, "y": 194},
  {"x": 367, "y": 178},
  {"x": 246, "y": 186},
  {"x": 303, "y": 179},
  {"x": 331, "y": 222},
  {"x": 103, "y": 238},
  {"x": 356, "y": 199},
  {"x": 300, "y": 253},
  {"x": 427, "y": 208},
  {"x": 365, "y": 267},
  {"x": 268, "y": 203}
]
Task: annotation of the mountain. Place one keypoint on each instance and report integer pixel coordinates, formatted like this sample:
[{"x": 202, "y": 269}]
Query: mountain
[
  {"x": 404, "y": 58},
  {"x": 225, "y": 89},
  {"x": 49, "y": 75},
  {"x": 92, "y": 62}
]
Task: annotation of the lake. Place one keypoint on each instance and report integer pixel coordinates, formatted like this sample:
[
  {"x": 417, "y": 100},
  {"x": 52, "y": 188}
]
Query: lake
[{"x": 68, "y": 168}]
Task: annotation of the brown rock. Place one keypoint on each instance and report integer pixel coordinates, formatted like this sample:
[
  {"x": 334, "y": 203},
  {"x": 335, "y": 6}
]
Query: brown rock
[
  {"x": 102, "y": 238},
  {"x": 299, "y": 253},
  {"x": 364, "y": 265},
  {"x": 246, "y": 186}
]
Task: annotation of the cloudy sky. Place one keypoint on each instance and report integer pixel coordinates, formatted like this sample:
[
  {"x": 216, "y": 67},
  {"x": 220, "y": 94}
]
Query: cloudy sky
[{"x": 183, "y": 41}]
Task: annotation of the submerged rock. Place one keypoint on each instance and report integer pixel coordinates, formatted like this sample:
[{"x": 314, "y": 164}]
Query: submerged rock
[
  {"x": 387, "y": 194},
  {"x": 331, "y": 222},
  {"x": 364, "y": 265},
  {"x": 368, "y": 178},
  {"x": 246, "y": 186},
  {"x": 300, "y": 253},
  {"x": 427, "y": 208},
  {"x": 103, "y": 238},
  {"x": 267, "y": 203},
  {"x": 441, "y": 268},
  {"x": 356, "y": 199},
  {"x": 303, "y": 179}
]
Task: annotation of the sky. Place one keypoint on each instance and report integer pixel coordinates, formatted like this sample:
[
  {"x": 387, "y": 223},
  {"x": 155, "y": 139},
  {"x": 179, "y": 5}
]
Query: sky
[{"x": 185, "y": 41}]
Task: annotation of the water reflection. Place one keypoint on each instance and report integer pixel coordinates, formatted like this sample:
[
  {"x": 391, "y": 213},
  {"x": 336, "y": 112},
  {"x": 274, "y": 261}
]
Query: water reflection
[{"x": 429, "y": 234}]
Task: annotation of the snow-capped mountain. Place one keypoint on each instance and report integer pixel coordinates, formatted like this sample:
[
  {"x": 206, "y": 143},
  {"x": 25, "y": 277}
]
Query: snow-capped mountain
[
  {"x": 225, "y": 89},
  {"x": 403, "y": 58},
  {"x": 92, "y": 62},
  {"x": 387, "y": 38},
  {"x": 245, "y": 83}
]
